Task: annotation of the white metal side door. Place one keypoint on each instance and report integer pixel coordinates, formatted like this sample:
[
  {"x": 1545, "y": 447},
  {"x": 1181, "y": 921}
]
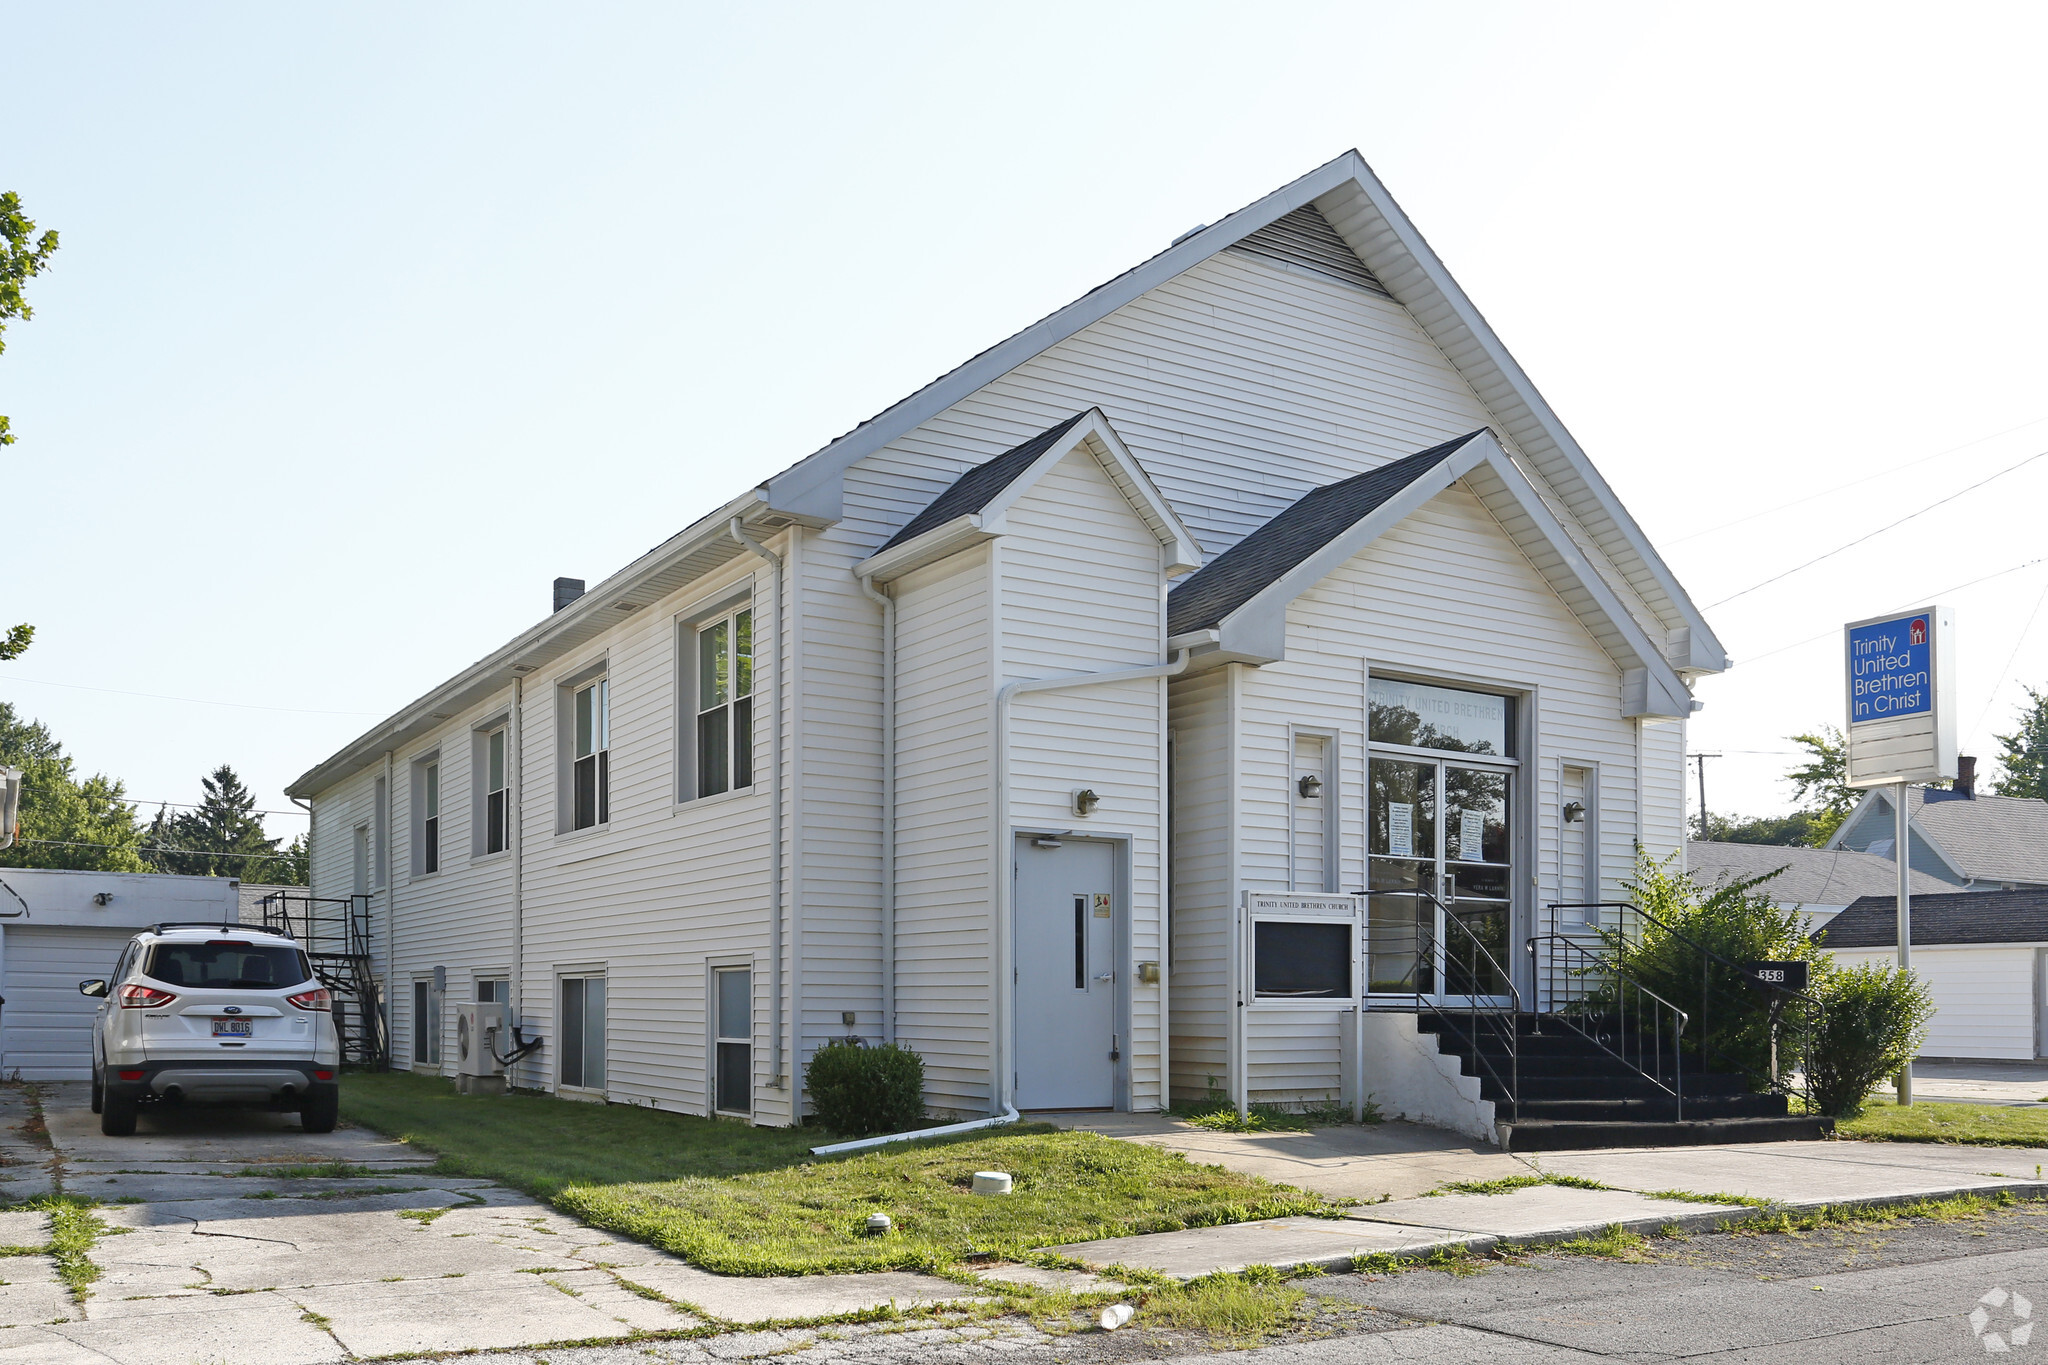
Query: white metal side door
[{"x": 1067, "y": 976}]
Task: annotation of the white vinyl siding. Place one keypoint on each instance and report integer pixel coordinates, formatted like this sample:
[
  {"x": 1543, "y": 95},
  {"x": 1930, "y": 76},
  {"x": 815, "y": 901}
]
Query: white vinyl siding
[{"x": 1984, "y": 998}]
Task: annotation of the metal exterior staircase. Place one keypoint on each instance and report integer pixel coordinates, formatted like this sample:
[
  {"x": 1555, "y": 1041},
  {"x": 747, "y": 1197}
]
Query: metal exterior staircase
[{"x": 335, "y": 932}]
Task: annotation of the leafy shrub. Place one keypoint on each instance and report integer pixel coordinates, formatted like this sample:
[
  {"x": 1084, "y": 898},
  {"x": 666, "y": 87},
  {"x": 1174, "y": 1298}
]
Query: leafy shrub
[
  {"x": 1875, "y": 1018},
  {"x": 865, "y": 1090},
  {"x": 1729, "y": 1027}
]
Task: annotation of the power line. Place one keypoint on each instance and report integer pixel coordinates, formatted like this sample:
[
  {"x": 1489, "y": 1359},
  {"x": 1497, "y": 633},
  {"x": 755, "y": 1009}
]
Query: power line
[
  {"x": 2003, "y": 673},
  {"x": 1879, "y": 531},
  {"x": 195, "y": 701},
  {"x": 280, "y": 855},
  {"x": 1852, "y": 483},
  {"x": 1958, "y": 587}
]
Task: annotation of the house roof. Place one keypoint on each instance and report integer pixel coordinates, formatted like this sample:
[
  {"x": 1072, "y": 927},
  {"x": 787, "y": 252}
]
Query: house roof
[
  {"x": 1984, "y": 838},
  {"x": 1240, "y": 573},
  {"x": 976, "y": 507},
  {"x": 1356, "y": 207},
  {"x": 1240, "y": 612},
  {"x": 1956, "y": 918},
  {"x": 1804, "y": 876},
  {"x": 979, "y": 486}
]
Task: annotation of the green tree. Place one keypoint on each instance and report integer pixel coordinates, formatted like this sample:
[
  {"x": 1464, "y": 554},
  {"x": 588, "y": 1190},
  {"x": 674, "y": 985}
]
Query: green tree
[
  {"x": 1821, "y": 784},
  {"x": 15, "y": 641},
  {"x": 2024, "y": 753},
  {"x": 221, "y": 837},
  {"x": 1792, "y": 830},
  {"x": 66, "y": 822},
  {"x": 23, "y": 256}
]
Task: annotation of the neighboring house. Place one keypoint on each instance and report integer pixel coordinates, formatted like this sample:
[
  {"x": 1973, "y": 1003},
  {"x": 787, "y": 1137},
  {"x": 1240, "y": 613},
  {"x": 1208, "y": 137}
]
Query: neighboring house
[
  {"x": 253, "y": 895},
  {"x": 1817, "y": 882},
  {"x": 1262, "y": 567},
  {"x": 1984, "y": 957},
  {"x": 58, "y": 928},
  {"x": 1976, "y": 843}
]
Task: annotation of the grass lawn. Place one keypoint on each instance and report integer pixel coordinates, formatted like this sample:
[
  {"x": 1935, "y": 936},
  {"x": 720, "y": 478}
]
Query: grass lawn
[
  {"x": 752, "y": 1201},
  {"x": 1928, "y": 1121}
]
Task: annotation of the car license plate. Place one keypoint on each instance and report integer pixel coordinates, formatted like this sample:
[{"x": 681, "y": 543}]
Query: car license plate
[{"x": 233, "y": 1028}]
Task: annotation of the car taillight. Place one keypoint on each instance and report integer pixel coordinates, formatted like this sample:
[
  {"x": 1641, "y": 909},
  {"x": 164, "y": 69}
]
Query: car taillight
[
  {"x": 134, "y": 1075},
  {"x": 312, "y": 1000},
  {"x": 323, "y": 1075},
  {"x": 138, "y": 997}
]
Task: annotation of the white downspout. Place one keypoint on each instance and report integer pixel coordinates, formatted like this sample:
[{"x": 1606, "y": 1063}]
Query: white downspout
[
  {"x": 1006, "y": 845},
  {"x": 776, "y": 1078},
  {"x": 888, "y": 605},
  {"x": 517, "y": 818}
]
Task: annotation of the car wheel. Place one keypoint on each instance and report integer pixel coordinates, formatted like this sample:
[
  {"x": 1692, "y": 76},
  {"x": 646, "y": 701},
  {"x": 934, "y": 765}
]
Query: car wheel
[
  {"x": 320, "y": 1113},
  {"x": 98, "y": 1091},
  {"x": 117, "y": 1115}
]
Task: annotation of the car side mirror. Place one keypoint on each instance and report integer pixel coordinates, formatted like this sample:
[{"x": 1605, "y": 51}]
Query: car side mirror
[{"x": 94, "y": 987}]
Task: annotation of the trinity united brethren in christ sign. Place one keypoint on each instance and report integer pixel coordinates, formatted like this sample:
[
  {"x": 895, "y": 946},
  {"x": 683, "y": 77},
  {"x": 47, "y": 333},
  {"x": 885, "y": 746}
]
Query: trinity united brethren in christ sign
[{"x": 1901, "y": 708}]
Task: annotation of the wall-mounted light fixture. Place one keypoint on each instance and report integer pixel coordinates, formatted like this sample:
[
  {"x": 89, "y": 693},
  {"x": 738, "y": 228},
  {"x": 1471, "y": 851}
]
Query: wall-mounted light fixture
[
  {"x": 1085, "y": 801},
  {"x": 1574, "y": 812},
  {"x": 1148, "y": 973},
  {"x": 102, "y": 898},
  {"x": 1310, "y": 786}
]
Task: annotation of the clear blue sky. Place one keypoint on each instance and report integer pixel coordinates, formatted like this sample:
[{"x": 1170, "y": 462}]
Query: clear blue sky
[{"x": 372, "y": 319}]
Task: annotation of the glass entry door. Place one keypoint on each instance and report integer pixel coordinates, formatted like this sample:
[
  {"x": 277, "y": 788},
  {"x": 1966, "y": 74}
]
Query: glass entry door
[{"x": 1438, "y": 846}]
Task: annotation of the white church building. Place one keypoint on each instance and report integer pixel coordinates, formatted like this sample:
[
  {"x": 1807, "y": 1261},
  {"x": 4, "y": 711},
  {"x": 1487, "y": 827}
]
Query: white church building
[{"x": 1089, "y": 721}]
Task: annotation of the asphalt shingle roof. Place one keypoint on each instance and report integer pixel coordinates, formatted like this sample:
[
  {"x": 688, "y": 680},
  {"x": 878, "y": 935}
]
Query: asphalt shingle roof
[
  {"x": 1991, "y": 838},
  {"x": 1958, "y": 917},
  {"x": 1811, "y": 876},
  {"x": 979, "y": 486},
  {"x": 1318, "y": 517}
]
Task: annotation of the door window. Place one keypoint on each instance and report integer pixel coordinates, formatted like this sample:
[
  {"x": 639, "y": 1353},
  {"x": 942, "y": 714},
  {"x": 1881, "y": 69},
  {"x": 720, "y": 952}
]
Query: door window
[
  {"x": 733, "y": 1007},
  {"x": 583, "y": 1032},
  {"x": 426, "y": 1022}
]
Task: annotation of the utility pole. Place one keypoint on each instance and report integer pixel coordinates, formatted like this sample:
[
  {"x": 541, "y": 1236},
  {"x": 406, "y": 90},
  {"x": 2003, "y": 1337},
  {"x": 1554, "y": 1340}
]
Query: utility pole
[{"x": 1701, "y": 759}]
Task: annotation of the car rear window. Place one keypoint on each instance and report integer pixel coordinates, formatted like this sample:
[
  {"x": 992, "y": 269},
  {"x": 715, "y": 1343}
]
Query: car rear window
[{"x": 228, "y": 965}]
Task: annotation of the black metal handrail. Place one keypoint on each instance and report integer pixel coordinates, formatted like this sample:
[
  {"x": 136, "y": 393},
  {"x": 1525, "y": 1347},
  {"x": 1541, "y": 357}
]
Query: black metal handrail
[
  {"x": 1633, "y": 1004},
  {"x": 335, "y": 932},
  {"x": 1481, "y": 1010},
  {"x": 1807, "y": 1008}
]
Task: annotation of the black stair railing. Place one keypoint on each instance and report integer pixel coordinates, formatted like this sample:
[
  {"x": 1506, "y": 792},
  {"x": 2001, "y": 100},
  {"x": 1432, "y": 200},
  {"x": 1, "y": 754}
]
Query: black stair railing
[
  {"x": 335, "y": 932},
  {"x": 1794, "y": 1016},
  {"x": 1478, "y": 1000},
  {"x": 1613, "y": 1010}
]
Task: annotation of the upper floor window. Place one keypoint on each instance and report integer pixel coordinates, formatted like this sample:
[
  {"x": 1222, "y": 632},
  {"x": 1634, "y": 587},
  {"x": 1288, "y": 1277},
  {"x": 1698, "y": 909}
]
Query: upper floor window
[
  {"x": 430, "y": 817},
  {"x": 590, "y": 761},
  {"x": 725, "y": 704},
  {"x": 497, "y": 794}
]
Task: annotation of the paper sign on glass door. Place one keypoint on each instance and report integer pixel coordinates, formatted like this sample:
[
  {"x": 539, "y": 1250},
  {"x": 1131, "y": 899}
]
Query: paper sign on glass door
[
  {"x": 1471, "y": 835},
  {"x": 1401, "y": 829}
]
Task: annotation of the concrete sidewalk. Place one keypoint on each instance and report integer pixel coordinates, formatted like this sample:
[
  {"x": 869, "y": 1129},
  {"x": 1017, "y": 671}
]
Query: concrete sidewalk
[{"x": 1646, "y": 1189}]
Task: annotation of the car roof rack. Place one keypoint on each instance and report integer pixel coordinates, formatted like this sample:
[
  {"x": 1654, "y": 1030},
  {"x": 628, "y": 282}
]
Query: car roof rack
[{"x": 227, "y": 925}]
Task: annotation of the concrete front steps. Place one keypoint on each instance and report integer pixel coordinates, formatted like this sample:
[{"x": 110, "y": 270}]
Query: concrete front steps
[{"x": 1575, "y": 1094}]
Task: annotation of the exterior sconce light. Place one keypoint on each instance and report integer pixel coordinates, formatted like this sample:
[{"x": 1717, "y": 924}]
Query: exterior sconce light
[
  {"x": 1574, "y": 812},
  {"x": 1085, "y": 801},
  {"x": 1310, "y": 786},
  {"x": 1148, "y": 972},
  {"x": 102, "y": 898}
]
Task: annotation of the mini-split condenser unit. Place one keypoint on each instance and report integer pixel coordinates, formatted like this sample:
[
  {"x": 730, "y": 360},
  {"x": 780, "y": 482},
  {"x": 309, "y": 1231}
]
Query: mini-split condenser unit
[{"x": 479, "y": 1037}]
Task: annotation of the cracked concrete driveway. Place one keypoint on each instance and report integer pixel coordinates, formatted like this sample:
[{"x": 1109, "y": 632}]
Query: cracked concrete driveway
[{"x": 222, "y": 1248}]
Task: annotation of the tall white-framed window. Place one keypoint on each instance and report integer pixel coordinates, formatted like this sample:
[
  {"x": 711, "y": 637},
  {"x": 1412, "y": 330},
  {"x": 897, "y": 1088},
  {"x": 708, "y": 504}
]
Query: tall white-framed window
[
  {"x": 359, "y": 868},
  {"x": 590, "y": 755},
  {"x": 725, "y": 704},
  {"x": 426, "y": 815},
  {"x": 582, "y": 1050},
  {"x": 497, "y": 792}
]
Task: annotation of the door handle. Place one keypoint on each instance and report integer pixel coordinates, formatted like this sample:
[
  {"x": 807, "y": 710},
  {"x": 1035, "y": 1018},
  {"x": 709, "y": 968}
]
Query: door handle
[{"x": 1106, "y": 976}]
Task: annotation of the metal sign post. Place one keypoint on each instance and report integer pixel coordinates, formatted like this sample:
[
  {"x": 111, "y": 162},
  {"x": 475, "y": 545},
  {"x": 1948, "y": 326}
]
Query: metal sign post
[{"x": 1902, "y": 730}]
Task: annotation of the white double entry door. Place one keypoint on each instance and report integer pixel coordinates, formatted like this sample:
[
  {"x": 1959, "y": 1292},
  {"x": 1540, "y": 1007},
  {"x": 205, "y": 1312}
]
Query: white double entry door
[{"x": 1065, "y": 917}]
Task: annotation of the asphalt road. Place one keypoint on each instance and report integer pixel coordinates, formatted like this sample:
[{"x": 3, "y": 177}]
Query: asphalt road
[{"x": 1897, "y": 1293}]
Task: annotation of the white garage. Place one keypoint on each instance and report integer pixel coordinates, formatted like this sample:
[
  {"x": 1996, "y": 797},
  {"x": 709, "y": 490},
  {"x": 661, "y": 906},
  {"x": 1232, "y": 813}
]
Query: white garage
[
  {"x": 66, "y": 927},
  {"x": 1983, "y": 956}
]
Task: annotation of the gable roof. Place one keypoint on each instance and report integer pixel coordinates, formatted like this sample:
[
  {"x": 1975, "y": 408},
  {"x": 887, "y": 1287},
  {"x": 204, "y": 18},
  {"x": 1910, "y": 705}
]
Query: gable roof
[
  {"x": 1262, "y": 558},
  {"x": 1956, "y": 918},
  {"x": 973, "y": 508},
  {"x": 974, "y": 489},
  {"x": 1357, "y": 208},
  {"x": 1236, "y": 610},
  {"x": 1983, "y": 838},
  {"x": 1804, "y": 876}
]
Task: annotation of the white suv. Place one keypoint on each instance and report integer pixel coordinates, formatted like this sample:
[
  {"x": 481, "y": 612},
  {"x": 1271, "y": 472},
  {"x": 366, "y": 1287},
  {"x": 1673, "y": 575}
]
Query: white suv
[{"x": 213, "y": 1014}]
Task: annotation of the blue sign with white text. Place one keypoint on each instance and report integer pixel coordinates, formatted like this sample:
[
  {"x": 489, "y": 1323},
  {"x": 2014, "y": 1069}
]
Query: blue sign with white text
[{"x": 1891, "y": 668}]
